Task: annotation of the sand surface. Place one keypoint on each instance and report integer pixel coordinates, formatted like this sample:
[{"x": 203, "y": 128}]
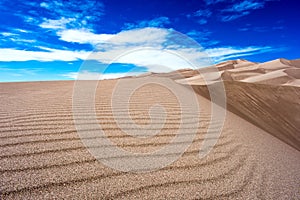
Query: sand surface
[{"x": 42, "y": 156}]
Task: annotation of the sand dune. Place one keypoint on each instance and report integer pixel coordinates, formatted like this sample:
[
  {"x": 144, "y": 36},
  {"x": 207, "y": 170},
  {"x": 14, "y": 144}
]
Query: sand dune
[
  {"x": 266, "y": 94},
  {"x": 43, "y": 157}
]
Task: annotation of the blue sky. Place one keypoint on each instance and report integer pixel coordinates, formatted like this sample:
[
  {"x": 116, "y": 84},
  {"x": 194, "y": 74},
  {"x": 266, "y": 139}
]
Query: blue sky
[{"x": 51, "y": 39}]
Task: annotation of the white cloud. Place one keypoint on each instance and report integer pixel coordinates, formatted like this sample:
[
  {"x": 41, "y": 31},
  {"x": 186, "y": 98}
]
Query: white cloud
[
  {"x": 86, "y": 75},
  {"x": 160, "y": 60},
  {"x": 56, "y": 24},
  {"x": 148, "y": 47},
  {"x": 156, "y": 60},
  {"x": 83, "y": 36},
  {"x": 7, "y": 54},
  {"x": 224, "y": 53},
  {"x": 152, "y": 48},
  {"x": 20, "y": 40},
  {"x": 44, "y": 5},
  {"x": 7, "y": 34},
  {"x": 22, "y": 30},
  {"x": 15, "y": 38},
  {"x": 145, "y": 36},
  {"x": 111, "y": 45}
]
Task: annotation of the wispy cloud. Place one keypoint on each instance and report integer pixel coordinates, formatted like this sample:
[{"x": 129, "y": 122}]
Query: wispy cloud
[
  {"x": 233, "y": 16},
  {"x": 49, "y": 55},
  {"x": 57, "y": 23},
  {"x": 241, "y": 8},
  {"x": 256, "y": 29},
  {"x": 54, "y": 14},
  {"x": 200, "y": 16},
  {"x": 203, "y": 13},
  {"x": 129, "y": 38},
  {"x": 83, "y": 36},
  {"x": 108, "y": 46},
  {"x": 225, "y": 53},
  {"x": 80, "y": 13},
  {"x": 210, "y": 2},
  {"x": 245, "y": 5},
  {"x": 43, "y": 20},
  {"x": 156, "y": 22},
  {"x": 14, "y": 38},
  {"x": 87, "y": 75},
  {"x": 232, "y": 9},
  {"x": 260, "y": 29},
  {"x": 202, "y": 37},
  {"x": 21, "y": 30},
  {"x": 7, "y": 34}
]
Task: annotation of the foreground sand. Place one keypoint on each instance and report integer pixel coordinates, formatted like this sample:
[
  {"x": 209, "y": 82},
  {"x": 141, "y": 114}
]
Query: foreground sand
[{"x": 42, "y": 156}]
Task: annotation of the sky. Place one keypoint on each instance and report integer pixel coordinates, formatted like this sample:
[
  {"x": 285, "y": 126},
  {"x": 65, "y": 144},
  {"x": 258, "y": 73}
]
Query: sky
[{"x": 61, "y": 39}]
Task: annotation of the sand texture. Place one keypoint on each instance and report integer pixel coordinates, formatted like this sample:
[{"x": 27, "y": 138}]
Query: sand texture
[{"x": 43, "y": 157}]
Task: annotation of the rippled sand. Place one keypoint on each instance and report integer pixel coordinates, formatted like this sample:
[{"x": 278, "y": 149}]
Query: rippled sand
[{"x": 42, "y": 156}]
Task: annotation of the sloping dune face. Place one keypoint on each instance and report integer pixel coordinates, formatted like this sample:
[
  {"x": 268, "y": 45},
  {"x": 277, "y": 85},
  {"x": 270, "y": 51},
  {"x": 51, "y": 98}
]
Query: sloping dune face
[
  {"x": 266, "y": 94},
  {"x": 273, "y": 108},
  {"x": 43, "y": 157}
]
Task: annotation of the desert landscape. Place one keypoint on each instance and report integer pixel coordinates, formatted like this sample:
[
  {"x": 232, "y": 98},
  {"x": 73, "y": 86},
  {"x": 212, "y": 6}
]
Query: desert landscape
[{"x": 257, "y": 154}]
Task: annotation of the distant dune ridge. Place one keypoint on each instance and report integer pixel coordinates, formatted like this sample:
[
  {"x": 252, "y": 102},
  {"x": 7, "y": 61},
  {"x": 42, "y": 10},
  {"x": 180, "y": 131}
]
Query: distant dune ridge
[
  {"x": 43, "y": 157},
  {"x": 276, "y": 72}
]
